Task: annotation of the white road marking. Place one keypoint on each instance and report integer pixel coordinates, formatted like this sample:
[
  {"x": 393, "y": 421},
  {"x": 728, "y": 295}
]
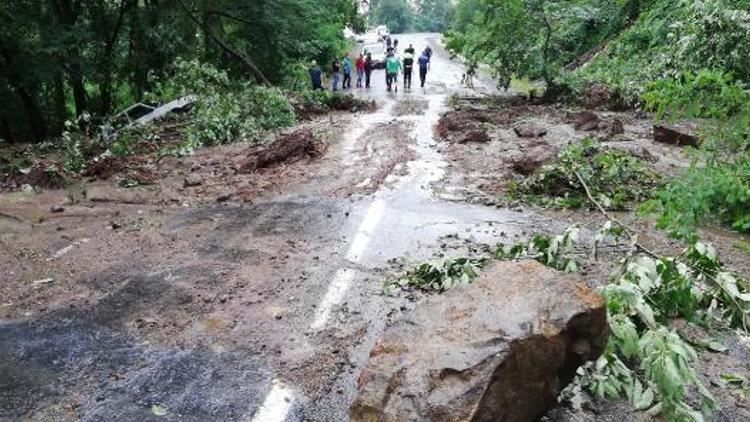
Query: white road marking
[
  {"x": 277, "y": 404},
  {"x": 344, "y": 277},
  {"x": 336, "y": 290},
  {"x": 365, "y": 231}
]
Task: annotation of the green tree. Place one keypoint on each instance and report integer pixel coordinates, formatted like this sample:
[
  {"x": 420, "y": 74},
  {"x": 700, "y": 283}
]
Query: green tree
[
  {"x": 396, "y": 14},
  {"x": 434, "y": 15}
]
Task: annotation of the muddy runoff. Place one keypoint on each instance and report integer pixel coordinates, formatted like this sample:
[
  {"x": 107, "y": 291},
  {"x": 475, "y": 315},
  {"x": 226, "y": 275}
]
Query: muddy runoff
[{"x": 219, "y": 291}]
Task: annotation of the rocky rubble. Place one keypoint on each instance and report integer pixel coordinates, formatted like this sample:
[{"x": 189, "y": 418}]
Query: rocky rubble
[{"x": 500, "y": 349}]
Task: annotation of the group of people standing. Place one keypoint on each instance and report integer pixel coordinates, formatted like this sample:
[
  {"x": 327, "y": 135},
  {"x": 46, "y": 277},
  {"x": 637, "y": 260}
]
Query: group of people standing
[
  {"x": 395, "y": 64},
  {"x": 364, "y": 65}
]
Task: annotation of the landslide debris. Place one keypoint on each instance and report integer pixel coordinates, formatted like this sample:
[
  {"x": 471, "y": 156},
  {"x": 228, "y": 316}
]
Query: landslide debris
[{"x": 286, "y": 148}]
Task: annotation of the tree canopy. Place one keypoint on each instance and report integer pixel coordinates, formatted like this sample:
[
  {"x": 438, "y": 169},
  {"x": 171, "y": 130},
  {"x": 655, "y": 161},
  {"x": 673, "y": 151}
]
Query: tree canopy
[
  {"x": 396, "y": 14},
  {"x": 61, "y": 58}
]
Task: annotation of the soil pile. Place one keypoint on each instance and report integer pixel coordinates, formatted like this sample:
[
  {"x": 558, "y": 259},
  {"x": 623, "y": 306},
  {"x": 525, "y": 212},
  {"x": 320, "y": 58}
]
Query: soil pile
[{"x": 287, "y": 148}]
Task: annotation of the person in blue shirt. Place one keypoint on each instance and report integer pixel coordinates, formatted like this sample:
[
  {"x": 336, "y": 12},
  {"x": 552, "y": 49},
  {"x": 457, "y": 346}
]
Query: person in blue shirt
[
  {"x": 315, "y": 75},
  {"x": 346, "y": 65},
  {"x": 335, "y": 74},
  {"x": 424, "y": 61}
]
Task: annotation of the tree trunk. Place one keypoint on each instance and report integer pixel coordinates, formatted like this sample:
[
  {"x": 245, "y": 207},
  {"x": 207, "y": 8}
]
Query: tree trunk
[
  {"x": 79, "y": 91},
  {"x": 34, "y": 116},
  {"x": 60, "y": 113},
  {"x": 105, "y": 85},
  {"x": 244, "y": 60},
  {"x": 5, "y": 132},
  {"x": 545, "y": 53}
]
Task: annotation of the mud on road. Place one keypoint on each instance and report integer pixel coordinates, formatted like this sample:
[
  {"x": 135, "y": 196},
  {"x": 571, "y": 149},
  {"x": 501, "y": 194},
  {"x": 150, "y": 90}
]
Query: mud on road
[{"x": 218, "y": 293}]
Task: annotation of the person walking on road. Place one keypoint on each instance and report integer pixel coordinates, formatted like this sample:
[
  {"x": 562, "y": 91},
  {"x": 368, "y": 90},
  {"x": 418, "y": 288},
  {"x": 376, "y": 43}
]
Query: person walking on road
[
  {"x": 408, "y": 68},
  {"x": 315, "y": 76},
  {"x": 424, "y": 62},
  {"x": 410, "y": 49},
  {"x": 347, "y": 67},
  {"x": 368, "y": 69},
  {"x": 359, "y": 64},
  {"x": 336, "y": 73},
  {"x": 392, "y": 67},
  {"x": 428, "y": 53}
]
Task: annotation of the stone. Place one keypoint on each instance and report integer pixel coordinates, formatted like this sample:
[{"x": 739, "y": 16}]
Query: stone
[
  {"x": 191, "y": 181},
  {"x": 57, "y": 209},
  {"x": 500, "y": 349},
  {"x": 476, "y": 136},
  {"x": 529, "y": 130},
  {"x": 585, "y": 121},
  {"x": 675, "y": 135}
]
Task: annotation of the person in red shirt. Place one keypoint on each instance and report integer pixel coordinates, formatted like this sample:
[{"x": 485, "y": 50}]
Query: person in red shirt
[{"x": 359, "y": 64}]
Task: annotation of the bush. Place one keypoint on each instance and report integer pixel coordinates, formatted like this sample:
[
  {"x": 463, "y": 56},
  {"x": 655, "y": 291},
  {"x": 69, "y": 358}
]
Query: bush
[
  {"x": 706, "y": 93},
  {"x": 228, "y": 116},
  {"x": 712, "y": 192},
  {"x": 225, "y": 111},
  {"x": 616, "y": 178}
]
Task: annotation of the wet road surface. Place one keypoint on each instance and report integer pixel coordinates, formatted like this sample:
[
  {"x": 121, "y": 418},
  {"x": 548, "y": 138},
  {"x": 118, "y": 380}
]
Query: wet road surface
[{"x": 292, "y": 349}]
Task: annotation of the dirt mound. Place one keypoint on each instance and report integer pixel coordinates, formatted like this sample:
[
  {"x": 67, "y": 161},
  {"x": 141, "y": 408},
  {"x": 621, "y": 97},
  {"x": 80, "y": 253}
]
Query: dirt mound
[
  {"x": 599, "y": 96},
  {"x": 47, "y": 174},
  {"x": 287, "y": 148},
  {"x": 529, "y": 130},
  {"x": 464, "y": 122},
  {"x": 107, "y": 167},
  {"x": 476, "y": 136},
  {"x": 530, "y": 161}
]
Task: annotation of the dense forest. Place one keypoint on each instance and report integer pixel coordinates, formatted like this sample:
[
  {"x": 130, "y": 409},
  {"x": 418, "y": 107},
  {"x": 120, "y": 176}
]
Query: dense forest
[{"x": 63, "y": 58}]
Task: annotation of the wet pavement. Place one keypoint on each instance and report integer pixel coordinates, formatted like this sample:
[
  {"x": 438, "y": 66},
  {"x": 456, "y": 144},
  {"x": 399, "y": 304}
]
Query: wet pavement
[{"x": 271, "y": 308}]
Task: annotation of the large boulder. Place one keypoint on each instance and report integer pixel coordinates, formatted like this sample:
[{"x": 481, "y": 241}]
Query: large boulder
[{"x": 500, "y": 349}]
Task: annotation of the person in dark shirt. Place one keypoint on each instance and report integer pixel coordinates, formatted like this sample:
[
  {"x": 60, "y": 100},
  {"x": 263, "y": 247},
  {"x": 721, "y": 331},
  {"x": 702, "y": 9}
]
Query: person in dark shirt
[
  {"x": 410, "y": 49},
  {"x": 315, "y": 75},
  {"x": 408, "y": 68},
  {"x": 428, "y": 53},
  {"x": 368, "y": 69}
]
